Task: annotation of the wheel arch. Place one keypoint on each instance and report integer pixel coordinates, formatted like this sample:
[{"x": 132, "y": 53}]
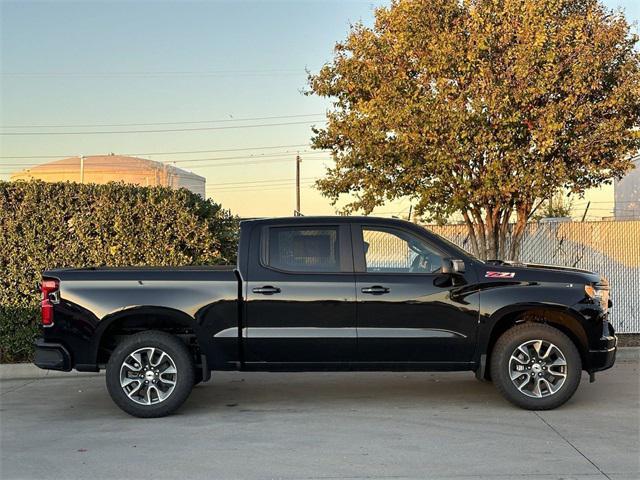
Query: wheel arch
[
  {"x": 555, "y": 316},
  {"x": 136, "y": 319}
]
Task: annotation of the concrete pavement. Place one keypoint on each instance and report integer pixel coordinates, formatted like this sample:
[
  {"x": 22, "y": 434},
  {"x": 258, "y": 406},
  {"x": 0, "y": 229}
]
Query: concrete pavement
[{"x": 323, "y": 425}]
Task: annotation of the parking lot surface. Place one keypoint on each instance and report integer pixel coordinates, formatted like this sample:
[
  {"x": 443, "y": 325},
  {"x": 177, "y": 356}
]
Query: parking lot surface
[{"x": 323, "y": 425}]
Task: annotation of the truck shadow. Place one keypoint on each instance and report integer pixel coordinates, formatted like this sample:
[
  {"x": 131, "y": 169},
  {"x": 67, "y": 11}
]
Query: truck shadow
[
  {"x": 263, "y": 392},
  {"x": 245, "y": 396}
]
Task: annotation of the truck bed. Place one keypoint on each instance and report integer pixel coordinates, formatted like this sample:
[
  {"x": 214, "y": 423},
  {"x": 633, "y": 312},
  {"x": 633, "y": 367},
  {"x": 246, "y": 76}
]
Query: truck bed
[{"x": 191, "y": 272}]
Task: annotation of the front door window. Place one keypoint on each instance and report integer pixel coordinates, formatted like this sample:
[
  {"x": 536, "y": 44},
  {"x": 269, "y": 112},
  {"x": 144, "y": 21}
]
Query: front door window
[{"x": 395, "y": 251}]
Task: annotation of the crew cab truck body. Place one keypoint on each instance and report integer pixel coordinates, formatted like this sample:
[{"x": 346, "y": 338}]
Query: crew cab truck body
[{"x": 328, "y": 294}]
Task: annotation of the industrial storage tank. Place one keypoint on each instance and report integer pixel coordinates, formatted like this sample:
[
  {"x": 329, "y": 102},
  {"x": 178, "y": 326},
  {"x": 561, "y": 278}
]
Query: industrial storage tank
[{"x": 114, "y": 168}]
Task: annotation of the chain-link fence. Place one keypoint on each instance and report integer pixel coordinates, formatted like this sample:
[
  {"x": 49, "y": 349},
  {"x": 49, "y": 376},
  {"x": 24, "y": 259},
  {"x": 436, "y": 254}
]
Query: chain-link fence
[{"x": 611, "y": 249}]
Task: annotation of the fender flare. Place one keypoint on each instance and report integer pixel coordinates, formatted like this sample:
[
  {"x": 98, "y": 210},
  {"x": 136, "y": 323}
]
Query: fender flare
[
  {"x": 496, "y": 317},
  {"x": 145, "y": 310}
]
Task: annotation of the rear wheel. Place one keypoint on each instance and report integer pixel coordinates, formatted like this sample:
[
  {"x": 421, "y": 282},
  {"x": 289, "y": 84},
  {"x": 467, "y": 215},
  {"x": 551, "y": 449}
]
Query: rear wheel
[
  {"x": 536, "y": 366},
  {"x": 150, "y": 374}
]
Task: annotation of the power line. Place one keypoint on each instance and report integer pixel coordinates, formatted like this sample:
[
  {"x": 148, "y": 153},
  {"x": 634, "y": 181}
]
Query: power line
[
  {"x": 256, "y": 187},
  {"x": 609, "y": 202},
  {"x": 239, "y": 73},
  {"x": 275, "y": 186},
  {"x": 243, "y": 119},
  {"x": 238, "y": 149},
  {"x": 167, "y": 130},
  {"x": 222, "y": 150},
  {"x": 259, "y": 181},
  {"x": 251, "y": 157},
  {"x": 229, "y": 164},
  {"x": 243, "y": 188},
  {"x": 261, "y": 190},
  {"x": 74, "y": 161}
]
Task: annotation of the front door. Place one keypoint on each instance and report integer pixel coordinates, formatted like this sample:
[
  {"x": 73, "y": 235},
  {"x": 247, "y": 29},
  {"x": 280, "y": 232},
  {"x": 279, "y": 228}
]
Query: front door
[
  {"x": 301, "y": 297},
  {"x": 408, "y": 311}
]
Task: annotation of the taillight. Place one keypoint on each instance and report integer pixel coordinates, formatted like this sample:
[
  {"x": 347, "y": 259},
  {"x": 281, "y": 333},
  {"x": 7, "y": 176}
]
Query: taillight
[{"x": 49, "y": 288}]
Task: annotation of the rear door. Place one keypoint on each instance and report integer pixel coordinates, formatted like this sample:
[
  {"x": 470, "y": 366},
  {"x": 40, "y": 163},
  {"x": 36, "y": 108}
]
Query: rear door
[
  {"x": 301, "y": 296},
  {"x": 408, "y": 310}
]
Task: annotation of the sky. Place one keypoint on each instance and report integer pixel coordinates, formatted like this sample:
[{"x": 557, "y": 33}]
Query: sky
[{"x": 223, "y": 64}]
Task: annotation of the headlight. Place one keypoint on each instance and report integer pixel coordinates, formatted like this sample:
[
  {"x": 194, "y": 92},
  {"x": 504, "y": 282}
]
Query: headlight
[{"x": 599, "y": 295}]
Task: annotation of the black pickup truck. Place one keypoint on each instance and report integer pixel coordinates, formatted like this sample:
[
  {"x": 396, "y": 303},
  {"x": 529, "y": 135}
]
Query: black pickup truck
[{"x": 329, "y": 294}]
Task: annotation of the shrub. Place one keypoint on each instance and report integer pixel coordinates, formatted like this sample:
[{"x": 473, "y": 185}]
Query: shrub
[{"x": 55, "y": 225}]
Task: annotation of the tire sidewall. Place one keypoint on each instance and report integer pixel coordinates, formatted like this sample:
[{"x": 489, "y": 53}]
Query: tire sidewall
[
  {"x": 184, "y": 366},
  {"x": 506, "y": 346}
]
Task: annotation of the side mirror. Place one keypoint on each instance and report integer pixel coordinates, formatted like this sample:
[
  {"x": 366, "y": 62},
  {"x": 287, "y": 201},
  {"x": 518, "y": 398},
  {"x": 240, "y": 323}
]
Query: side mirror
[
  {"x": 458, "y": 266},
  {"x": 450, "y": 266}
]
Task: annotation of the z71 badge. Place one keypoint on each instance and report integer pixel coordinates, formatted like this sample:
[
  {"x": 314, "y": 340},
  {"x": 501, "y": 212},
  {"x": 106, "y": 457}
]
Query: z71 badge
[{"x": 500, "y": 274}]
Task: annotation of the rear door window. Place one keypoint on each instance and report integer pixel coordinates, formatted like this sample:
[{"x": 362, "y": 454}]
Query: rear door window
[{"x": 304, "y": 249}]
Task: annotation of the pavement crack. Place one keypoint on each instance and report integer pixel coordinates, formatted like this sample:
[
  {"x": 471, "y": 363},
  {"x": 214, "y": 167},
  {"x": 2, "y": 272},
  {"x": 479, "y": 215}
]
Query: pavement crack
[
  {"x": 4, "y": 392},
  {"x": 572, "y": 445}
]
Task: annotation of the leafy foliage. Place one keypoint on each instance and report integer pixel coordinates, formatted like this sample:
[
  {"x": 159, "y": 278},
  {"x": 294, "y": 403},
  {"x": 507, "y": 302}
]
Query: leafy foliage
[
  {"x": 556, "y": 206},
  {"x": 55, "y": 225},
  {"x": 480, "y": 107}
]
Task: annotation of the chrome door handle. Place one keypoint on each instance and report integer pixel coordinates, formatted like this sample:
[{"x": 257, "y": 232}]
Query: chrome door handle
[
  {"x": 375, "y": 290},
  {"x": 266, "y": 290}
]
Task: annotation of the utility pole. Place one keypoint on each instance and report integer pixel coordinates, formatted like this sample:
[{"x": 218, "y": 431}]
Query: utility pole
[
  {"x": 81, "y": 168},
  {"x": 298, "y": 162}
]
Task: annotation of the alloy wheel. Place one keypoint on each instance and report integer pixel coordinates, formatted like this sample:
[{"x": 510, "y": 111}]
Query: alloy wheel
[
  {"x": 148, "y": 376},
  {"x": 538, "y": 368}
]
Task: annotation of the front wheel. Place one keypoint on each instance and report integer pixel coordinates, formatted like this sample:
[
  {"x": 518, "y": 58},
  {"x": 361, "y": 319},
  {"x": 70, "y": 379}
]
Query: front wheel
[
  {"x": 150, "y": 374},
  {"x": 536, "y": 366}
]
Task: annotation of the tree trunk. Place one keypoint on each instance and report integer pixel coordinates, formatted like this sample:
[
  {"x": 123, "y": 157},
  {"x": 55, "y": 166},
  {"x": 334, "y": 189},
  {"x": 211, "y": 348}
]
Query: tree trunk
[
  {"x": 489, "y": 235},
  {"x": 522, "y": 216},
  {"x": 483, "y": 237},
  {"x": 504, "y": 232},
  {"x": 472, "y": 234}
]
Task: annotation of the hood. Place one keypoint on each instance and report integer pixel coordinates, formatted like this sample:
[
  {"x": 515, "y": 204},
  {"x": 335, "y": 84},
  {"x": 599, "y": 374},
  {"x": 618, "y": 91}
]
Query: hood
[{"x": 517, "y": 271}]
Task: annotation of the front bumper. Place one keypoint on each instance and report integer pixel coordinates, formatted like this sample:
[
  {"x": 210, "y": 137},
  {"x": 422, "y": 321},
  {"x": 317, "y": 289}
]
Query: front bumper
[
  {"x": 604, "y": 356},
  {"x": 52, "y": 356}
]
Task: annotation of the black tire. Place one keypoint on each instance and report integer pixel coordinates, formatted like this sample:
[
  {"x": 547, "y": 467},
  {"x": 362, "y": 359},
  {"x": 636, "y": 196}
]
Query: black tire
[
  {"x": 501, "y": 366},
  {"x": 179, "y": 354}
]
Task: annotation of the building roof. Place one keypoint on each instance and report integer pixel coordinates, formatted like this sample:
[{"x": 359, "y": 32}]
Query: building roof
[{"x": 105, "y": 163}]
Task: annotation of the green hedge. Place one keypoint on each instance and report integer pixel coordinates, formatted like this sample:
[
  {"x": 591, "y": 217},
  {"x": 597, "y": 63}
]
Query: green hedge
[{"x": 53, "y": 225}]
